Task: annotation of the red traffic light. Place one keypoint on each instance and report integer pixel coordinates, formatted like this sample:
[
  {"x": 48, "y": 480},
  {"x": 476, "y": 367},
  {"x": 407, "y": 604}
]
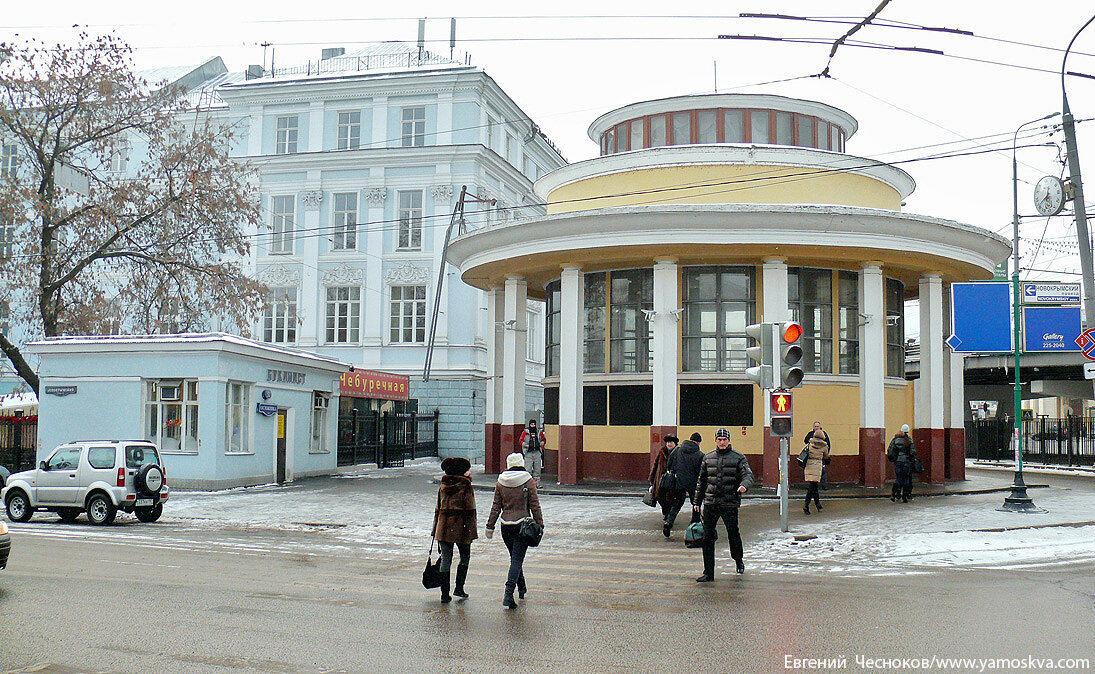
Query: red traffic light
[
  {"x": 791, "y": 332},
  {"x": 781, "y": 403}
]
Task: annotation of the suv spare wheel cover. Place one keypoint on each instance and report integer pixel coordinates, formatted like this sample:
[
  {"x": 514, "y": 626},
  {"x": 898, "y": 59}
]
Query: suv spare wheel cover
[{"x": 150, "y": 478}]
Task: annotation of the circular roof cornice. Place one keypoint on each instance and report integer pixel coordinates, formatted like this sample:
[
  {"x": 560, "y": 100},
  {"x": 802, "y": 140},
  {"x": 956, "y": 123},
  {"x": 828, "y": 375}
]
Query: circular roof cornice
[
  {"x": 708, "y": 101},
  {"x": 744, "y": 155}
]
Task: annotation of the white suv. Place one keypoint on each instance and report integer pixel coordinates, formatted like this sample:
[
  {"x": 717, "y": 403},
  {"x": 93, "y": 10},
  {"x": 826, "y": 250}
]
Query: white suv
[{"x": 99, "y": 477}]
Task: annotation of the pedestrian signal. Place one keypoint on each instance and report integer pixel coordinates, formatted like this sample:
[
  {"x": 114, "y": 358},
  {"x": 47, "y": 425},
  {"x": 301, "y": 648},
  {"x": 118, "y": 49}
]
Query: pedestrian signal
[
  {"x": 781, "y": 407},
  {"x": 789, "y": 359}
]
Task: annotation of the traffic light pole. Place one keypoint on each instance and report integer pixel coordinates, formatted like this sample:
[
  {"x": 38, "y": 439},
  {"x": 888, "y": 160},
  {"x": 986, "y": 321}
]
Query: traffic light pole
[{"x": 784, "y": 481}]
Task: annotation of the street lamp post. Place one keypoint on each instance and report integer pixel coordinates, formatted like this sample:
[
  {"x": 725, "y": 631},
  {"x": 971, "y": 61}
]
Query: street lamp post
[{"x": 1017, "y": 500}]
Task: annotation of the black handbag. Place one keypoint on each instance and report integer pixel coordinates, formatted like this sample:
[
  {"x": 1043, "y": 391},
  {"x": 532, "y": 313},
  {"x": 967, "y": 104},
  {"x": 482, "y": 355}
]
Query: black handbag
[
  {"x": 803, "y": 457},
  {"x": 669, "y": 481},
  {"x": 529, "y": 531},
  {"x": 431, "y": 575},
  {"x": 650, "y": 498},
  {"x": 917, "y": 465}
]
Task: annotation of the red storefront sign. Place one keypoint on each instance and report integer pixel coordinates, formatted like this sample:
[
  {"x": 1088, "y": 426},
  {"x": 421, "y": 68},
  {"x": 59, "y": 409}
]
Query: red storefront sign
[{"x": 372, "y": 384}]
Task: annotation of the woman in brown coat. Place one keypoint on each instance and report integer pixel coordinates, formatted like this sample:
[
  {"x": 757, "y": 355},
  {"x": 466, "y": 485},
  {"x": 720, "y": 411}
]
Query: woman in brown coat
[
  {"x": 514, "y": 499},
  {"x": 818, "y": 457},
  {"x": 454, "y": 522}
]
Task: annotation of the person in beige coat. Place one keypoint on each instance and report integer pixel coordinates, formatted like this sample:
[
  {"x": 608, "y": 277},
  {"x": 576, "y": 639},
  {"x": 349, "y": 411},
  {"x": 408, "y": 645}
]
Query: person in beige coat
[
  {"x": 817, "y": 459},
  {"x": 514, "y": 499}
]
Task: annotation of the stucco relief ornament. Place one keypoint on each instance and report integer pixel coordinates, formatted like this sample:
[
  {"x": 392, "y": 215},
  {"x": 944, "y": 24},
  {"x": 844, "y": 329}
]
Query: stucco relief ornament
[
  {"x": 280, "y": 275},
  {"x": 312, "y": 199},
  {"x": 442, "y": 192},
  {"x": 343, "y": 275},
  {"x": 408, "y": 274},
  {"x": 376, "y": 195}
]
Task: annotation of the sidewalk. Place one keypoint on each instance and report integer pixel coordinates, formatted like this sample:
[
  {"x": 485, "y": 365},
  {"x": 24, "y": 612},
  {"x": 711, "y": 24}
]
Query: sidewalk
[
  {"x": 1033, "y": 468},
  {"x": 973, "y": 484}
]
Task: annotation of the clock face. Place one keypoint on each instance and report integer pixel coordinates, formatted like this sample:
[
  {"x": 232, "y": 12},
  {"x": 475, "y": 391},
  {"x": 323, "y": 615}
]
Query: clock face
[{"x": 1049, "y": 196}]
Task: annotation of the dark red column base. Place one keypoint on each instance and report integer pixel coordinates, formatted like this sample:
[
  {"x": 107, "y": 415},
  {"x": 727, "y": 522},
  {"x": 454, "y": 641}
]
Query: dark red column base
[
  {"x": 956, "y": 454},
  {"x": 570, "y": 454},
  {"x": 932, "y": 450},
  {"x": 493, "y": 438},
  {"x": 510, "y": 442},
  {"x": 769, "y": 476},
  {"x": 872, "y": 450}
]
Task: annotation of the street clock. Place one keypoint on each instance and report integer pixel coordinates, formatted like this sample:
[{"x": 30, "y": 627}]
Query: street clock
[{"x": 1049, "y": 195}]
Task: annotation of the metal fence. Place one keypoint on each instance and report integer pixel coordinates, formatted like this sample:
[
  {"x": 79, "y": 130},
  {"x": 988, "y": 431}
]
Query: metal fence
[
  {"x": 18, "y": 442},
  {"x": 1063, "y": 442},
  {"x": 387, "y": 439}
]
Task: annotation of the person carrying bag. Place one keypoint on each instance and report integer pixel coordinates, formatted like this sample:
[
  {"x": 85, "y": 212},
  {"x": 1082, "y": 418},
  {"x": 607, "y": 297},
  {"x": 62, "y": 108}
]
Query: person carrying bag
[{"x": 515, "y": 502}]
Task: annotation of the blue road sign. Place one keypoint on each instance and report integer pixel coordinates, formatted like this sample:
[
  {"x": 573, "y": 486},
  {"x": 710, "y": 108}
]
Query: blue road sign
[
  {"x": 981, "y": 318},
  {"x": 1049, "y": 329}
]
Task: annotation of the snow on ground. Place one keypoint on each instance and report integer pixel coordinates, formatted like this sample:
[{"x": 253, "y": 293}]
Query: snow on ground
[{"x": 388, "y": 514}]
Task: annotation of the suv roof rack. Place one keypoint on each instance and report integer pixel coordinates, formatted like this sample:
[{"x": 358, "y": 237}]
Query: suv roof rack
[{"x": 73, "y": 442}]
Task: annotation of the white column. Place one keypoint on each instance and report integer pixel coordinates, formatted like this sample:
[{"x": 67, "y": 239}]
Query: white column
[
  {"x": 374, "y": 316},
  {"x": 666, "y": 315},
  {"x": 380, "y": 124},
  {"x": 953, "y": 375},
  {"x": 872, "y": 347},
  {"x": 571, "y": 345},
  {"x": 307, "y": 248},
  {"x": 929, "y": 388},
  {"x": 254, "y": 134},
  {"x": 775, "y": 309},
  {"x": 514, "y": 351},
  {"x": 315, "y": 127},
  {"x": 444, "y": 120},
  {"x": 496, "y": 316}
]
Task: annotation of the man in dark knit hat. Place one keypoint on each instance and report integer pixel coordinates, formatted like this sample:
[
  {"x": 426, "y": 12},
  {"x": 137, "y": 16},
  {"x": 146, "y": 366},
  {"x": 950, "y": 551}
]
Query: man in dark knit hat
[{"x": 724, "y": 476}]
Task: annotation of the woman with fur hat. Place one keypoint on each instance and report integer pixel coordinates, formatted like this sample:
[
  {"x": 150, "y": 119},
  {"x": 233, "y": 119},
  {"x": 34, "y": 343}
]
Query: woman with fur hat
[
  {"x": 514, "y": 499},
  {"x": 817, "y": 457},
  {"x": 454, "y": 522}
]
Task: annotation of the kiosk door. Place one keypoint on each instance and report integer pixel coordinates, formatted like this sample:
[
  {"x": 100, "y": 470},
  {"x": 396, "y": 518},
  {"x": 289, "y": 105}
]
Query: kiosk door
[{"x": 280, "y": 449}]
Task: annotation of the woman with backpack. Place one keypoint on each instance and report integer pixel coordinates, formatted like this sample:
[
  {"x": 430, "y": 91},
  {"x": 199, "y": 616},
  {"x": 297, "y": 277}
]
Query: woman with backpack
[
  {"x": 515, "y": 499},
  {"x": 533, "y": 443}
]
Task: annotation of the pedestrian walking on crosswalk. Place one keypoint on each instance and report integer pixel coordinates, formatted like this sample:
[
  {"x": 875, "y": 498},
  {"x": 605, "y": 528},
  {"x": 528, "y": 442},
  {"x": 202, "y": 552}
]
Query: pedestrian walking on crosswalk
[{"x": 515, "y": 500}]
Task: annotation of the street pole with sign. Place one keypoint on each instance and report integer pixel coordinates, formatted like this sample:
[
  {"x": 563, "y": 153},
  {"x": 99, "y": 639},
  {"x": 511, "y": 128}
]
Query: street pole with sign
[{"x": 781, "y": 407}]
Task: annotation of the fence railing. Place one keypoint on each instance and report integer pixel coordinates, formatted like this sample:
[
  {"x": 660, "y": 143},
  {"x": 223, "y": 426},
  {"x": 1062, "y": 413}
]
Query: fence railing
[
  {"x": 18, "y": 443},
  {"x": 343, "y": 64},
  {"x": 1068, "y": 441},
  {"x": 387, "y": 439}
]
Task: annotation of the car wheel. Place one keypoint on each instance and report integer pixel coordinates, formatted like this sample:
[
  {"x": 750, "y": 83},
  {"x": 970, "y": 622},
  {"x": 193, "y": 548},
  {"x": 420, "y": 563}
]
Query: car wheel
[
  {"x": 68, "y": 514},
  {"x": 149, "y": 514},
  {"x": 100, "y": 510},
  {"x": 19, "y": 509}
]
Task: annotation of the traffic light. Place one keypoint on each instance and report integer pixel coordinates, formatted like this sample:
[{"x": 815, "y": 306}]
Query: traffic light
[
  {"x": 763, "y": 353},
  {"x": 788, "y": 367},
  {"x": 780, "y": 405}
]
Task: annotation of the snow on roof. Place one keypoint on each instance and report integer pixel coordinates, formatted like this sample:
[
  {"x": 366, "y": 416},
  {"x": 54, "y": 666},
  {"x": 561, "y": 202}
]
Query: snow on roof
[{"x": 188, "y": 338}]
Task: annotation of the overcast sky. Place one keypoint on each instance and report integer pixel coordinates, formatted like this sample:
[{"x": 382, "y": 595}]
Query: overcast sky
[{"x": 905, "y": 102}]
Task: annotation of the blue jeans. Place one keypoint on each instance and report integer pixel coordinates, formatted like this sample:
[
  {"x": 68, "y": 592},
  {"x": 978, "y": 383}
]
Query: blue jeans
[
  {"x": 517, "y": 549},
  {"x": 903, "y": 470}
]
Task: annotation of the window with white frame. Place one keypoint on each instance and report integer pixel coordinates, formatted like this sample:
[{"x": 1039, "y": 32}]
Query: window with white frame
[
  {"x": 9, "y": 159},
  {"x": 320, "y": 403},
  {"x": 171, "y": 414},
  {"x": 7, "y": 240},
  {"x": 532, "y": 352},
  {"x": 119, "y": 157},
  {"x": 492, "y": 124},
  {"x": 511, "y": 149},
  {"x": 283, "y": 223},
  {"x": 5, "y": 317},
  {"x": 344, "y": 231},
  {"x": 349, "y": 129},
  {"x": 410, "y": 220},
  {"x": 279, "y": 316},
  {"x": 236, "y": 418},
  {"x": 414, "y": 126},
  {"x": 408, "y": 315},
  {"x": 287, "y": 132},
  {"x": 343, "y": 314}
]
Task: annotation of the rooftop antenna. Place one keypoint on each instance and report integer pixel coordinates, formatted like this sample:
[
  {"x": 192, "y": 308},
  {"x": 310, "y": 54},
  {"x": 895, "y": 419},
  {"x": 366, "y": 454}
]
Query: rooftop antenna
[
  {"x": 264, "y": 46},
  {"x": 452, "y": 37},
  {"x": 716, "y": 64},
  {"x": 421, "y": 39}
]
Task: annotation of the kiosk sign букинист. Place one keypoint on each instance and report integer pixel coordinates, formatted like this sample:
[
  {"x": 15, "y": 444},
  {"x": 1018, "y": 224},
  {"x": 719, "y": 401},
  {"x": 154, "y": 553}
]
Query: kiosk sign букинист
[{"x": 981, "y": 318}]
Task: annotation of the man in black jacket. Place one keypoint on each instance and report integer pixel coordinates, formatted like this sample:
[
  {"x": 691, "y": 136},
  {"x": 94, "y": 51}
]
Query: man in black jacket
[
  {"x": 724, "y": 476},
  {"x": 684, "y": 461}
]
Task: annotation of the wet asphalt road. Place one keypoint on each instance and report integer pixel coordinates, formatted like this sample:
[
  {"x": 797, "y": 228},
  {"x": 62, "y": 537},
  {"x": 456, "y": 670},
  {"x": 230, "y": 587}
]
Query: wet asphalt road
[{"x": 609, "y": 596}]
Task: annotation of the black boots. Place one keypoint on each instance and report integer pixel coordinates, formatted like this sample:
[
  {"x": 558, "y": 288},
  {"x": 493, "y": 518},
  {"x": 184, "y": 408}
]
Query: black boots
[
  {"x": 445, "y": 597},
  {"x": 461, "y": 576},
  {"x": 705, "y": 578},
  {"x": 894, "y": 493},
  {"x": 806, "y": 508},
  {"x": 507, "y": 600},
  {"x": 906, "y": 495},
  {"x": 666, "y": 528},
  {"x": 741, "y": 566}
]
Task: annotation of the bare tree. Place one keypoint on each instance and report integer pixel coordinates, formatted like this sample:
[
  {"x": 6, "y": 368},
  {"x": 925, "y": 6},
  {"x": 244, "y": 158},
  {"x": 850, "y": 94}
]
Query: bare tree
[{"x": 93, "y": 247}]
